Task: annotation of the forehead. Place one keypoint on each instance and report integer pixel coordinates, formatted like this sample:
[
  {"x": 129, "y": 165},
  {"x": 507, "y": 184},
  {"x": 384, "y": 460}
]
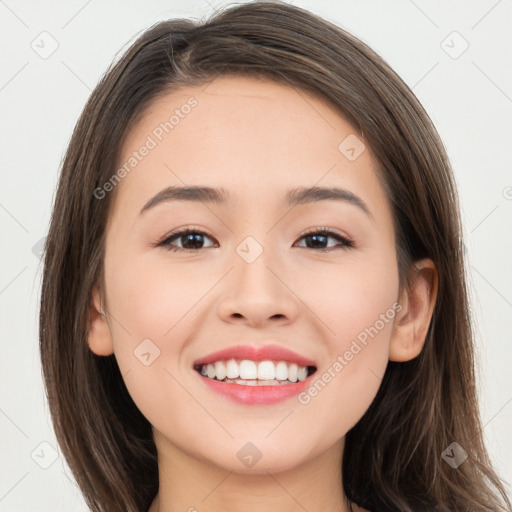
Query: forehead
[{"x": 252, "y": 136}]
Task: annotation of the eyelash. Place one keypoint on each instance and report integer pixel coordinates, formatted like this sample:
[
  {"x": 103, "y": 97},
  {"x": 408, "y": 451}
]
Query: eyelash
[{"x": 346, "y": 243}]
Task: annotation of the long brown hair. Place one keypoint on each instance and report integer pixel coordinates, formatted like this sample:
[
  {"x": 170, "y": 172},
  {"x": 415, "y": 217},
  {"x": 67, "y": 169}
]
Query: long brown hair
[{"x": 393, "y": 455}]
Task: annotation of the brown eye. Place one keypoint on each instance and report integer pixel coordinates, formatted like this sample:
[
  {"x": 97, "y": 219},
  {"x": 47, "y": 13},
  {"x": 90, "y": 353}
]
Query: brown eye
[
  {"x": 190, "y": 240},
  {"x": 319, "y": 240}
]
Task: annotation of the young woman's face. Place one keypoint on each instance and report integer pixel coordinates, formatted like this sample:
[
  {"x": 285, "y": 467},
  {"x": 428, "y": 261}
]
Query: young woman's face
[{"x": 254, "y": 273}]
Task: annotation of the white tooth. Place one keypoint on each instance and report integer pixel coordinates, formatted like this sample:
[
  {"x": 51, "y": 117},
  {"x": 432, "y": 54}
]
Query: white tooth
[
  {"x": 257, "y": 382},
  {"x": 210, "y": 371},
  {"x": 267, "y": 383},
  {"x": 242, "y": 382},
  {"x": 281, "y": 371},
  {"x": 232, "y": 370},
  {"x": 292, "y": 372},
  {"x": 248, "y": 370},
  {"x": 302, "y": 373},
  {"x": 220, "y": 370},
  {"x": 266, "y": 370}
]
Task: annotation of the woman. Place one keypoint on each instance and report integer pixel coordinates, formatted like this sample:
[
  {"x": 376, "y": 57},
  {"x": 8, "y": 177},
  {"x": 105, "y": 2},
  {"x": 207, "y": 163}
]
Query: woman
[{"x": 261, "y": 370}]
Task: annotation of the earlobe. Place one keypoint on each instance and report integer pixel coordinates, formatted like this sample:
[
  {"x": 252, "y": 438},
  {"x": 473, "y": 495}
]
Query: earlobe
[
  {"x": 413, "y": 320},
  {"x": 99, "y": 337}
]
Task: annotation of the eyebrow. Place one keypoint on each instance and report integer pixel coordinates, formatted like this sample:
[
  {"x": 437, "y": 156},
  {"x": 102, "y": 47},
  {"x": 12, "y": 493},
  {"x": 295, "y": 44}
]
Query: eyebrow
[{"x": 294, "y": 197}]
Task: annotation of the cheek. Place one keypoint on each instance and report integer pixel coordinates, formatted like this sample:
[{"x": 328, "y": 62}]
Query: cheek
[
  {"x": 349, "y": 297},
  {"x": 357, "y": 307},
  {"x": 153, "y": 314},
  {"x": 150, "y": 298}
]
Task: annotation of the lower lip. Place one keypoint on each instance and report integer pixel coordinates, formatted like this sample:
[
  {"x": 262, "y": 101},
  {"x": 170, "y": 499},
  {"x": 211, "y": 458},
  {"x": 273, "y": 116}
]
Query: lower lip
[{"x": 256, "y": 394}]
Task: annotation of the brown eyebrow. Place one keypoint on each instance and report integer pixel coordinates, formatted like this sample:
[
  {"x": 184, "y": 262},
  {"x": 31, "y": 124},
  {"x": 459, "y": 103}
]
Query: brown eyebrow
[{"x": 294, "y": 197}]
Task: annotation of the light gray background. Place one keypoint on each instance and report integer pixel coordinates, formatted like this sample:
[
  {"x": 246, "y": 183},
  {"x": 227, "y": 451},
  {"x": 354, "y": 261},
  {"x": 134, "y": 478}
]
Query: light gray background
[{"x": 469, "y": 98}]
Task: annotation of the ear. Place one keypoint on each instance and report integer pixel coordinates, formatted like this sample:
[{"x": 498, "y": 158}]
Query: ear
[
  {"x": 413, "y": 319},
  {"x": 99, "y": 338}
]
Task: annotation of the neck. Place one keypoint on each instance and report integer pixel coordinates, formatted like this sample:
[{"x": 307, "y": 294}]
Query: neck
[{"x": 189, "y": 484}]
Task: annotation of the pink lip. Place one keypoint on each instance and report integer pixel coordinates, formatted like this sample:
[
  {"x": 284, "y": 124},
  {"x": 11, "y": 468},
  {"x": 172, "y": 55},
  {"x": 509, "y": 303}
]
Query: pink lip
[
  {"x": 263, "y": 353},
  {"x": 256, "y": 394}
]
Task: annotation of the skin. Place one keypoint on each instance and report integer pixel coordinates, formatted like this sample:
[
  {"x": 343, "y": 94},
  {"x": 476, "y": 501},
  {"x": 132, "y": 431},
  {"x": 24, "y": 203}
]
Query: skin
[{"x": 257, "y": 139}]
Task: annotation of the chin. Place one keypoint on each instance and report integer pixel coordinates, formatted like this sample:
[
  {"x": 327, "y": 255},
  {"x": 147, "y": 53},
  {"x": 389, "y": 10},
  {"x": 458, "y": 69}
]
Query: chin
[{"x": 250, "y": 460}]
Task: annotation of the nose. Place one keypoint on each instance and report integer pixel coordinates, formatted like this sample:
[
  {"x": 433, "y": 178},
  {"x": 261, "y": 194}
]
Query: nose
[{"x": 259, "y": 292}]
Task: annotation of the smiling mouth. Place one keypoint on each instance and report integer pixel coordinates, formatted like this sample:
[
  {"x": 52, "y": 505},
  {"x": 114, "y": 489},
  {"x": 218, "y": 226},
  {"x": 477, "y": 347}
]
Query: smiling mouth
[{"x": 255, "y": 373}]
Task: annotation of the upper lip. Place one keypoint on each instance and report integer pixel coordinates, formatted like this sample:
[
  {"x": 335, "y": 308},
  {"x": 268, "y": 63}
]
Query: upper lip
[{"x": 260, "y": 353}]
